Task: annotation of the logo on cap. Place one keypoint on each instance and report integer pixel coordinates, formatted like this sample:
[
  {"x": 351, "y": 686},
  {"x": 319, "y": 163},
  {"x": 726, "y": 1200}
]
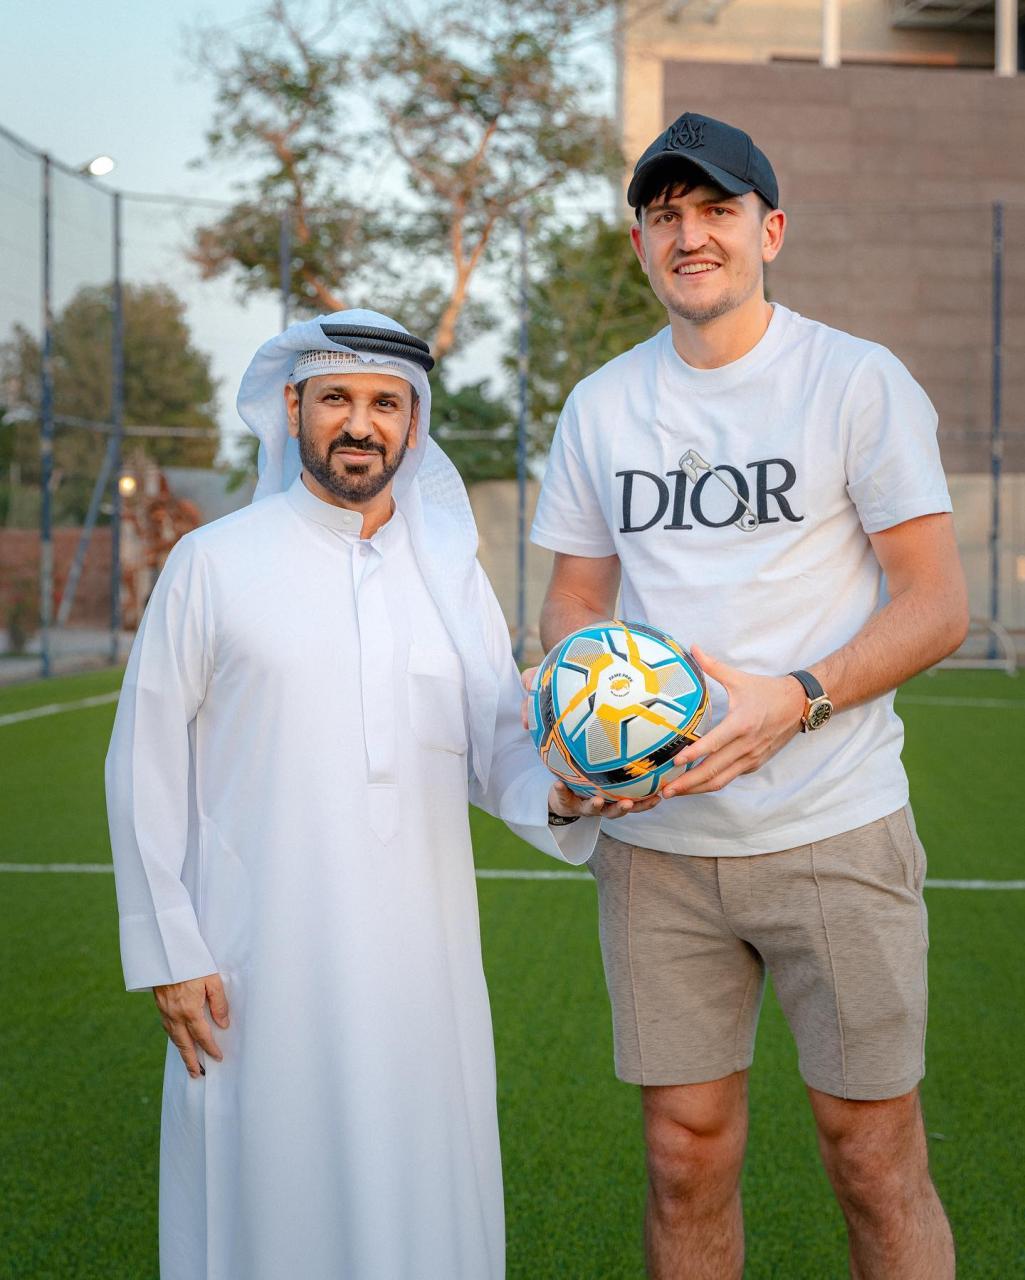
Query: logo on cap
[{"x": 686, "y": 135}]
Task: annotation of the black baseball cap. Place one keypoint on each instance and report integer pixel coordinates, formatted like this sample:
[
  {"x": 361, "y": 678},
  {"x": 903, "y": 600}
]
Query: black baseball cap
[{"x": 726, "y": 155}]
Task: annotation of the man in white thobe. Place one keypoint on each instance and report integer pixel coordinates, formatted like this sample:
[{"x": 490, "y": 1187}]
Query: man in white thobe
[{"x": 319, "y": 684}]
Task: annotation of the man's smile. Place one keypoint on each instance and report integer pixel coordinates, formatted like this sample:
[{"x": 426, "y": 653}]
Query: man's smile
[{"x": 695, "y": 268}]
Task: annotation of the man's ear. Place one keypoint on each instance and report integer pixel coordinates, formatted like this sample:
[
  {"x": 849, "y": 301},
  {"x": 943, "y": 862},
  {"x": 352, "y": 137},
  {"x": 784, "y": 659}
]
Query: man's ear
[
  {"x": 638, "y": 245},
  {"x": 773, "y": 230},
  {"x": 414, "y": 425},
  {"x": 292, "y": 409}
]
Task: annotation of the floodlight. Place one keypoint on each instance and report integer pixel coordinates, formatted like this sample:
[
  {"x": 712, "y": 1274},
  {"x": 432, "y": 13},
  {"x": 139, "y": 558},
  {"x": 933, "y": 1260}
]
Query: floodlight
[
  {"x": 127, "y": 485},
  {"x": 99, "y": 166}
]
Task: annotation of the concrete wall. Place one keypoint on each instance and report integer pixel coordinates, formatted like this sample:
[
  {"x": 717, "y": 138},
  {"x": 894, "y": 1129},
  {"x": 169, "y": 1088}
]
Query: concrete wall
[
  {"x": 972, "y": 496},
  {"x": 753, "y": 31},
  {"x": 494, "y": 505},
  {"x": 888, "y": 176}
]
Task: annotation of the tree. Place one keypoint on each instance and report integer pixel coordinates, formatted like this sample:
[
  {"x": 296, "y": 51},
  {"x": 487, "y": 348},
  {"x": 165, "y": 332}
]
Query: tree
[
  {"x": 278, "y": 107},
  {"x": 487, "y": 114},
  {"x": 167, "y": 383},
  {"x": 482, "y": 112},
  {"x": 589, "y": 302},
  {"x": 475, "y": 430}
]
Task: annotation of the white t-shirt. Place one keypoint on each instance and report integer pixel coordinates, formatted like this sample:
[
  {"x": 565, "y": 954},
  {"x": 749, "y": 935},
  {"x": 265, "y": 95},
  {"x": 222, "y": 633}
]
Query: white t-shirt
[{"x": 829, "y": 439}]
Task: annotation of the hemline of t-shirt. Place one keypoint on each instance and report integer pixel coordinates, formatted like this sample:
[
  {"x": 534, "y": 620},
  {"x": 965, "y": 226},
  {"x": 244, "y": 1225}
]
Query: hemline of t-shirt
[
  {"x": 794, "y": 835},
  {"x": 935, "y": 504},
  {"x": 570, "y": 546}
]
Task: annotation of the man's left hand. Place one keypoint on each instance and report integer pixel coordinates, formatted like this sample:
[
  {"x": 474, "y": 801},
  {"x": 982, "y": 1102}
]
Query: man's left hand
[
  {"x": 568, "y": 804},
  {"x": 764, "y": 714}
]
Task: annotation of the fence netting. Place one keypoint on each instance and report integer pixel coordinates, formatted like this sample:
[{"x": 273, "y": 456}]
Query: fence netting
[
  {"x": 99, "y": 329},
  {"x": 924, "y": 281}
]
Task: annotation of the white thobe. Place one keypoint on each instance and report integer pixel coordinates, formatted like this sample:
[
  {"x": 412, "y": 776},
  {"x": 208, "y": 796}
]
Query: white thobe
[{"x": 287, "y": 791}]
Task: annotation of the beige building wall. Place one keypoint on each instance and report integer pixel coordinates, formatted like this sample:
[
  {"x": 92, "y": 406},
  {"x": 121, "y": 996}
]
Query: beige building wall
[
  {"x": 760, "y": 31},
  {"x": 888, "y": 177}
]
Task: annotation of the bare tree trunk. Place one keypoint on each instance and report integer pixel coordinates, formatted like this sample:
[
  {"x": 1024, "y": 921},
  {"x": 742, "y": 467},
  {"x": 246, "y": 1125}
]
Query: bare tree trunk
[
  {"x": 328, "y": 300},
  {"x": 445, "y": 334}
]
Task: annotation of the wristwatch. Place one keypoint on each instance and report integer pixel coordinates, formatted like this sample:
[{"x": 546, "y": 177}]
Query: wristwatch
[
  {"x": 818, "y": 708},
  {"x": 560, "y": 820}
]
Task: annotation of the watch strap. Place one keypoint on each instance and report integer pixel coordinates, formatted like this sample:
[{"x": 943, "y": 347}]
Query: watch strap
[
  {"x": 560, "y": 820},
  {"x": 809, "y": 684}
]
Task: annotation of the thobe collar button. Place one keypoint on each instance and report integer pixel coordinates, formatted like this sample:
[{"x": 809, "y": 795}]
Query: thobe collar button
[{"x": 325, "y": 513}]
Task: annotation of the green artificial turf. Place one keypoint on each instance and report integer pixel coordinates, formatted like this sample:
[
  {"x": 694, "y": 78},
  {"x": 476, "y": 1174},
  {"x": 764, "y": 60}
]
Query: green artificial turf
[{"x": 80, "y": 1061}]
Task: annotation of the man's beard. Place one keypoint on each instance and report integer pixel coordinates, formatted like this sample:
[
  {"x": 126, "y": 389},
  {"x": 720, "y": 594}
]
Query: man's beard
[
  {"x": 349, "y": 485},
  {"x": 706, "y": 312}
]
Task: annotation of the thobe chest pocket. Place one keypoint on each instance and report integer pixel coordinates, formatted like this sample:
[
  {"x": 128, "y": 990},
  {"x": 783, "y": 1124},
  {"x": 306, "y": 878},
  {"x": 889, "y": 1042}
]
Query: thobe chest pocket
[{"x": 436, "y": 697}]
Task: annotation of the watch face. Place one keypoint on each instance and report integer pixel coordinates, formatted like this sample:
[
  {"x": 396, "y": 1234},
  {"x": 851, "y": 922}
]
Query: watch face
[{"x": 819, "y": 713}]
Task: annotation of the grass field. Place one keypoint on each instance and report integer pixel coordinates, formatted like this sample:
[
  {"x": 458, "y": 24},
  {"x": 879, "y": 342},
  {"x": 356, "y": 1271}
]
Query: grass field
[{"x": 80, "y": 1061}]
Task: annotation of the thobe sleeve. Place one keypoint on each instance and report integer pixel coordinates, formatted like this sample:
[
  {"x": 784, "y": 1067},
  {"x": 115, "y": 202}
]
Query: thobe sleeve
[
  {"x": 518, "y": 784},
  {"x": 148, "y": 777}
]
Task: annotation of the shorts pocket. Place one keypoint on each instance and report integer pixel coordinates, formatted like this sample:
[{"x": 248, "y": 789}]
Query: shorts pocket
[
  {"x": 907, "y": 848},
  {"x": 436, "y": 698},
  {"x": 918, "y": 850}
]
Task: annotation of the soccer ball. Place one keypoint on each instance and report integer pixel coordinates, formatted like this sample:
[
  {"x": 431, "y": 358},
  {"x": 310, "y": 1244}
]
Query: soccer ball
[{"x": 612, "y": 705}]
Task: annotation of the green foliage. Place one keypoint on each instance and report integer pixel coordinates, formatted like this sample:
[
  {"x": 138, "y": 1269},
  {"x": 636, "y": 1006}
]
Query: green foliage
[
  {"x": 167, "y": 383},
  {"x": 279, "y": 109},
  {"x": 476, "y": 431},
  {"x": 481, "y": 112},
  {"x": 590, "y": 301},
  {"x": 327, "y": 244}
]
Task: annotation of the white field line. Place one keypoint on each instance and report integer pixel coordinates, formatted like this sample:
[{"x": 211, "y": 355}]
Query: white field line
[
  {"x": 912, "y": 699},
  {"x": 86, "y": 868},
  {"x": 938, "y": 700},
  {"x": 483, "y": 873},
  {"x": 55, "y": 708},
  {"x": 975, "y": 884}
]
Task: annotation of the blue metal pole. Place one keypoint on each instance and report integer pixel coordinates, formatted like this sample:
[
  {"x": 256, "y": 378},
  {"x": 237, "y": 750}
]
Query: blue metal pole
[
  {"x": 67, "y": 600},
  {"x": 285, "y": 264},
  {"x": 996, "y": 438},
  {"x": 46, "y": 434},
  {"x": 521, "y": 455},
  {"x": 117, "y": 417}
]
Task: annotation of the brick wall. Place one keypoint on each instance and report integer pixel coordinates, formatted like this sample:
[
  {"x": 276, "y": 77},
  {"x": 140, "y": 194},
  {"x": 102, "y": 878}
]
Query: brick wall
[
  {"x": 888, "y": 177},
  {"x": 19, "y": 572}
]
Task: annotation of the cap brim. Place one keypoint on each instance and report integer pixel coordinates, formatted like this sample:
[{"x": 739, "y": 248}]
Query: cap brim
[{"x": 731, "y": 184}]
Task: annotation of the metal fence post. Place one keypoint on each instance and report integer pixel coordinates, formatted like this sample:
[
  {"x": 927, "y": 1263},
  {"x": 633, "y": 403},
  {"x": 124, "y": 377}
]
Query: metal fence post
[
  {"x": 285, "y": 264},
  {"x": 117, "y": 418},
  {"x": 521, "y": 454},
  {"x": 996, "y": 443},
  {"x": 46, "y": 434}
]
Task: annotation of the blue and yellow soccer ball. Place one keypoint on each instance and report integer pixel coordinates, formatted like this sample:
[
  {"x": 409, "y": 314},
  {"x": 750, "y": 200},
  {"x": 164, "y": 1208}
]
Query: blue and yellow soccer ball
[{"x": 611, "y": 707}]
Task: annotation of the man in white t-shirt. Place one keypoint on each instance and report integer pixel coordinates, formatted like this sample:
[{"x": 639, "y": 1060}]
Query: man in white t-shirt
[{"x": 769, "y": 491}]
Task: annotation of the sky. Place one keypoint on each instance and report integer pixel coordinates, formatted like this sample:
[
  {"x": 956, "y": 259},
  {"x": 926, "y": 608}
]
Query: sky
[
  {"x": 107, "y": 77},
  {"x": 112, "y": 77}
]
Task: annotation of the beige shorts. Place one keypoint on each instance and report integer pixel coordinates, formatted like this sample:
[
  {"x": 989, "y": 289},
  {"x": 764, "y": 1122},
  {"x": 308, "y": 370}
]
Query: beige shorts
[{"x": 839, "y": 924}]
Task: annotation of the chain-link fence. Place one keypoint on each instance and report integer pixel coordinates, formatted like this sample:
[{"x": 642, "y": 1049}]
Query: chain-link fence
[
  {"x": 108, "y": 424},
  {"x": 108, "y": 403},
  {"x": 940, "y": 285}
]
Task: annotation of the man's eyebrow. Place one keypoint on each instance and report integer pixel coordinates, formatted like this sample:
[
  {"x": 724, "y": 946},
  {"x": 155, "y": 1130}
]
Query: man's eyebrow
[
  {"x": 379, "y": 393},
  {"x": 722, "y": 198}
]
